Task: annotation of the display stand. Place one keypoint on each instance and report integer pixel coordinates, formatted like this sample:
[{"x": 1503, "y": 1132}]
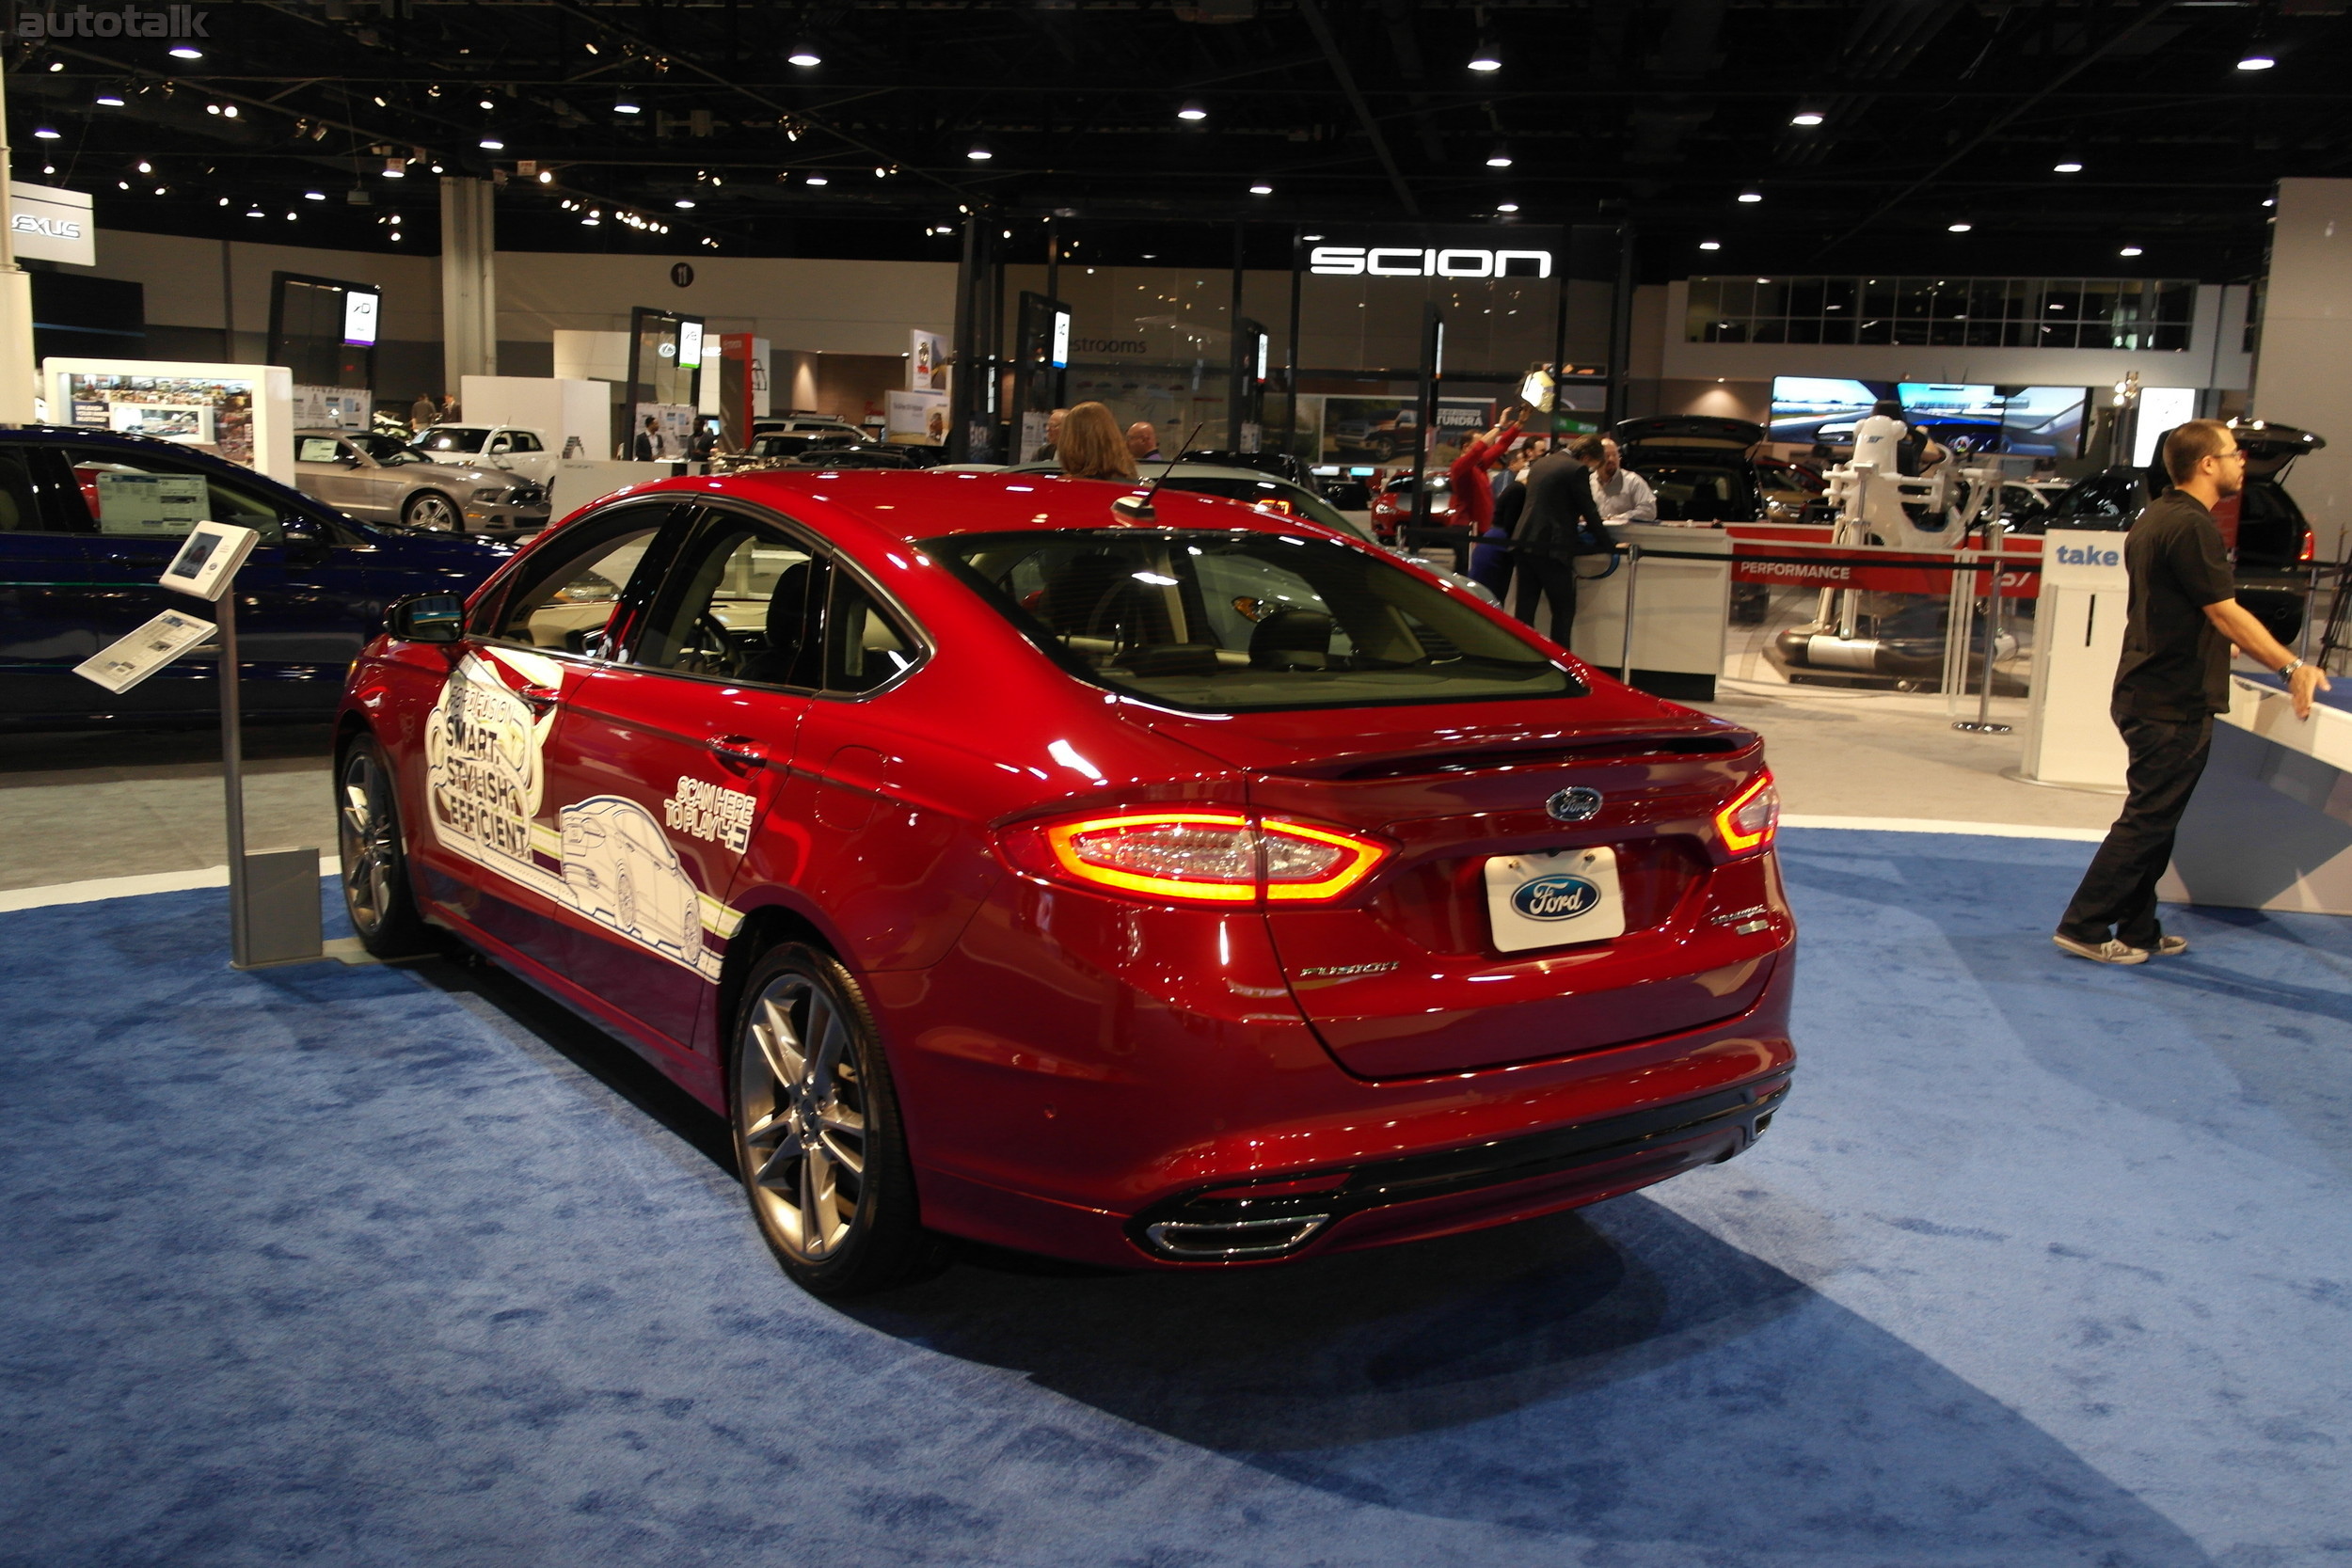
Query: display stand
[
  {"x": 2270, "y": 826},
  {"x": 1677, "y": 584},
  {"x": 2070, "y": 740},
  {"x": 273, "y": 896}
]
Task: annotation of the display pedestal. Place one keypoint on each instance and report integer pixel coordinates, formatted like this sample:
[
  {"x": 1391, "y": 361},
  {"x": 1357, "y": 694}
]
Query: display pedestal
[
  {"x": 2270, "y": 826},
  {"x": 2070, "y": 739},
  {"x": 1680, "y": 607},
  {"x": 274, "y": 896}
]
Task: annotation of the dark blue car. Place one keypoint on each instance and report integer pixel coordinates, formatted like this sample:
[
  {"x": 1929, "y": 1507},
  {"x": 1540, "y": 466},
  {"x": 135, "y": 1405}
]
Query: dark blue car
[{"x": 87, "y": 521}]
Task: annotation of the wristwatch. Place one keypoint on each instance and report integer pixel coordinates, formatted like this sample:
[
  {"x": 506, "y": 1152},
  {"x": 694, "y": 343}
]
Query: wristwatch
[{"x": 2289, "y": 669}]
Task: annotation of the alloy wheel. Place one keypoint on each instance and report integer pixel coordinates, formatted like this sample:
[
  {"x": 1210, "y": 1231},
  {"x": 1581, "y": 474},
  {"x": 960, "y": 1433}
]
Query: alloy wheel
[
  {"x": 802, "y": 1112},
  {"x": 369, "y": 838},
  {"x": 434, "y": 511}
]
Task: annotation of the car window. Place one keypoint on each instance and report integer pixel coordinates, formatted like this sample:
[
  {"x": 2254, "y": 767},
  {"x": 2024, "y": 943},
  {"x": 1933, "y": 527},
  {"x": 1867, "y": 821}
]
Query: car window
[
  {"x": 385, "y": 450},
  {"x": 864, "y": 646},
  {"x": 566, "y": 594},
  {"x": 21, "y": 511},
  {"x": 1223, "y": 621},
  {"x": 451, "y": 437},
  {"x": 501, "y": 444},
  {"x": 132, "y": 495},
  {"x": 317, "y": 449},
  {"x": 523, "y": 440},
  {"x": 741, "y": 601}
]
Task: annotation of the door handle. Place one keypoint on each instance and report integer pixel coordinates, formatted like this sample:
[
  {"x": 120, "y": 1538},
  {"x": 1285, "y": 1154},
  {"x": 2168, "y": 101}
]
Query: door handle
[
  {"x": 739, "y": 751},
  {"x": 541, "y": 697}
]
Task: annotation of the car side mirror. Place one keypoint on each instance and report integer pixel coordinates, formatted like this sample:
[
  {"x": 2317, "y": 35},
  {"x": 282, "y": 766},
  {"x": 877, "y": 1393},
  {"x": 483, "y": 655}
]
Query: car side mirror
[
  {"x": 306, "y": 540},
  {"x": 348, "y": 459},
  {"x": 426, "y": 618}
]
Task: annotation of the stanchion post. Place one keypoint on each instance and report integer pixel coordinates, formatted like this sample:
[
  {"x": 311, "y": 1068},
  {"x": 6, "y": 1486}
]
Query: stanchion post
[
  {"x": 1982, "y": 723},
  {"x": 233, "y": 782},
  {"x": 1625, "y": 652}
]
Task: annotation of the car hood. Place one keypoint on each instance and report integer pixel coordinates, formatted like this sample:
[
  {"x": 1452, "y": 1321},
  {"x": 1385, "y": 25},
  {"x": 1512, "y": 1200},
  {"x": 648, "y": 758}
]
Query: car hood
[{"x": 431, "y": 550}]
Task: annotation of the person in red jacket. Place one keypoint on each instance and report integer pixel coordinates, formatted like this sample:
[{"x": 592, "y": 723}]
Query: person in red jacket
[{"x": 1473, "y": 493}]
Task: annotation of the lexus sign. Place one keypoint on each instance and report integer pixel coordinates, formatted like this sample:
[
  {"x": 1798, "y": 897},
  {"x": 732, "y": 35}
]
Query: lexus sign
[
  {"x": 51, "y": 223},
  {"x": 1354, "y": 261}
]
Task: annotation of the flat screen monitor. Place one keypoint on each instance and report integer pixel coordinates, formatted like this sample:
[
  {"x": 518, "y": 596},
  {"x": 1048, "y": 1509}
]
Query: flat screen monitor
[
  {"x": 360, "y": 309},
  {"x": 1810, "y": 408}
]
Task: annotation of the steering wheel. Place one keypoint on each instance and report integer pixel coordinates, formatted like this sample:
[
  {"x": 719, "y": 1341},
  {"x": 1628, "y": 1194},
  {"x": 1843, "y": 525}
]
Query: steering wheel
[{"x": 710, "y": 649}]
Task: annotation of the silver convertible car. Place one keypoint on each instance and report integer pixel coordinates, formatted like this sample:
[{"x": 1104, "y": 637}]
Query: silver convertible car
[{"x": 377, "y": 479}]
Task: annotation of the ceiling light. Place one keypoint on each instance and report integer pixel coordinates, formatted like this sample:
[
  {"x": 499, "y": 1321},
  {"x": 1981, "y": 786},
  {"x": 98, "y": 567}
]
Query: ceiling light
[
  {"x": 255, "y": 213},
  {"x": 211, "y": 108},
  {"x": 625, "y": 105},
  {"x": 491, "y": 144},
  {"x": 1486, "y": 57},
  {"x": 1506, "y": 207},
  {"x": 2129, "y": 250},
  {"x": 1499, "y": 158},
  {"x": 437, "y": 168},
  {"x": 979, "y": 154},
  {"x": 1958, "y": 228},
  {"x": 1262, "y": 188},
  {"x": 314, "y": 195},
  {"x": 57, "y": 64},
  {"x": 2069, "y": 167},
  {"x": 819, "y": 179},
  {"x": 684, "y": 205},
  {"x": 146, "y": 168},
  {"x": 1805, "y": 117},
  {"x": 45, "y": 133},
  {"x": 229, "y": 111},
  {"x": 1751, "y": 196},
  {"x": 804, "y": 56},
  {"x": 2270, "y": 201},
  {"x": 1192, "y": 110},
  {"x": 111, "y": 99},
  {"x": 379, "y": 102},
  {"x": 396, "y": 168},
  {"x": 186, "y": 52},
  {"x": 488, "y": 105},
  {"x": 2256, "y": 58},
  {"x": 1710, "y": 245}
]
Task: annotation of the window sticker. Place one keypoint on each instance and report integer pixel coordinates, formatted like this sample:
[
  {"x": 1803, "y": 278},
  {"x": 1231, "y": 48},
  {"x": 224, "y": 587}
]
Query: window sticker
[{"x": 150, "y": 506}]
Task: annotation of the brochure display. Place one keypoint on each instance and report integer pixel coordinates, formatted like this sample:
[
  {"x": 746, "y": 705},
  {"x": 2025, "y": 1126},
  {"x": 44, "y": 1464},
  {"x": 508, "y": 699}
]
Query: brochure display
[
  {"x": 244, "y": 413},
  {"x": 2085, "y": 604},
  {"x": 274, "y": 896}
]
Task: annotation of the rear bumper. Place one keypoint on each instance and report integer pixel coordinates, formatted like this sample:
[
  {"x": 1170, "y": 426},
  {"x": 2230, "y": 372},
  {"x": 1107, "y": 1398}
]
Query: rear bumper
[{"x": 1426, "y": 1194}]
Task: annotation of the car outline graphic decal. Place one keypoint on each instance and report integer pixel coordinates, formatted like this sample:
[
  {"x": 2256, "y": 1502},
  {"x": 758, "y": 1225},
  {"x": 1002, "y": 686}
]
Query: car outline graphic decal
[{"x": 607, "y": 856}]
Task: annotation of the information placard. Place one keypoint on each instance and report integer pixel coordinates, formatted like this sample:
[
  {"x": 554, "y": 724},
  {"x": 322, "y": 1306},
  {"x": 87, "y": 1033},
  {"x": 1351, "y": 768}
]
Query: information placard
[{"x": 126, "y": 663}]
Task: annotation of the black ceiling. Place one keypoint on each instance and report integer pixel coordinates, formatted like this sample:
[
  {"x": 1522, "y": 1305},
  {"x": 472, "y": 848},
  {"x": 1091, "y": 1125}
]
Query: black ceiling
[{"x": 1661, "y": 114}]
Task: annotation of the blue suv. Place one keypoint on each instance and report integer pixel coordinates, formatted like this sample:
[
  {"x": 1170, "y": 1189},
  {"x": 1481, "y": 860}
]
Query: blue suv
[{"x": 90, "y": 518}]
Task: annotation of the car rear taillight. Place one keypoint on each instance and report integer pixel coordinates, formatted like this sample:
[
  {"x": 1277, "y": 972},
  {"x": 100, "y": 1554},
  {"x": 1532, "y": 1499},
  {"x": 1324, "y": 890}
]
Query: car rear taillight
[
  {"x": 2310, "y": 546},
  {"x": 1748, "y": 822},
  {"x": 1196, "y": 857}
]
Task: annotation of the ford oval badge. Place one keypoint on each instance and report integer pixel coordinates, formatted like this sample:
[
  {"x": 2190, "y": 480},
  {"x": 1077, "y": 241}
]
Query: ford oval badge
[
  {"x": 1574, "y": 804},
  {"x": 1555, "y": 897}
]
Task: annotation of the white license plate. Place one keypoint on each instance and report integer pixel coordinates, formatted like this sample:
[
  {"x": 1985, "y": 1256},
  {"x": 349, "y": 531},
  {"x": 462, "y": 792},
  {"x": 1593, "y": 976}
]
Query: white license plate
[{"x": 1552, "y": 900}]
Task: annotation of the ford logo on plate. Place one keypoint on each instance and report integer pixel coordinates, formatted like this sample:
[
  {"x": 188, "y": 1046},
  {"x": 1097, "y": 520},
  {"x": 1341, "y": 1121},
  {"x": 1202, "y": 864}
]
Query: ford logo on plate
[
  {"x": 1555, "y": 897},
  {"x": 1574, "y": 804}
]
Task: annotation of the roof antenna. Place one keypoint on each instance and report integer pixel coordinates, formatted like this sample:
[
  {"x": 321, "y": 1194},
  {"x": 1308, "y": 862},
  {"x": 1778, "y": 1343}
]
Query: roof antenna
[{"x": 1138, "y": 509}]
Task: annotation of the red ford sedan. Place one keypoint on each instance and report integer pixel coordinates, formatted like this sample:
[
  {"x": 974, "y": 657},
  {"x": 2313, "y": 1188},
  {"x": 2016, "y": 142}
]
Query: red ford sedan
[{"x": 1162, "y": 886}]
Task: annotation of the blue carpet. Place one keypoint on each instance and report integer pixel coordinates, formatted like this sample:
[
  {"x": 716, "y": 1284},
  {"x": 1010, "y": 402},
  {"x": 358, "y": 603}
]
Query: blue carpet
[{"x": 2045, "y": 1263}]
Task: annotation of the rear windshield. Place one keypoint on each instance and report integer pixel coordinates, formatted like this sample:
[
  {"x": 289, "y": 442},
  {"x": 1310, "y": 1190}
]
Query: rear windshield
[
  {"x": 1220, "y": 621},
  {"x": 1266, "y": 494}
]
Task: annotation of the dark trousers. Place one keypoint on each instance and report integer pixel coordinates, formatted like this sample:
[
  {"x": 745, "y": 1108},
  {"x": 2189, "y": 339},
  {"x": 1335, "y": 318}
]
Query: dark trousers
[
  {"x": 1545, "y": 577},
  {"x": 2119, "y": 888}
]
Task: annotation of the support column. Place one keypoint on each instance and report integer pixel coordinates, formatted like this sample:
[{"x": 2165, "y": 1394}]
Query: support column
[
  {"x": 470, "y": 310},
  {"x": 2306, "y": 342},
  {"x": 16, "y": 308}
]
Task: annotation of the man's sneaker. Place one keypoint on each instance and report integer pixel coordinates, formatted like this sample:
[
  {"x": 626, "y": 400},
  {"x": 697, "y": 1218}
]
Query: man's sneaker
[
  {"x": 2107, "y": 952},
  {"x": 2167, "y": 947}
]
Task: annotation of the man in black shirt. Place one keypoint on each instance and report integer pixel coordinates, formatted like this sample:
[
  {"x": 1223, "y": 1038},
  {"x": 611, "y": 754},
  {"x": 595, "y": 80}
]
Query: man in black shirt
[
  {"x": 2174, "y": 679},
  {"x": 1559, "y": 521}
]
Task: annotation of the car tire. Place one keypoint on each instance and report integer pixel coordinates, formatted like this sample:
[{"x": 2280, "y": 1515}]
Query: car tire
[
  {"x": 432, "y": 511},
  {"x": 811, "y": 1103},
  {"x": 378, "y": 893}
]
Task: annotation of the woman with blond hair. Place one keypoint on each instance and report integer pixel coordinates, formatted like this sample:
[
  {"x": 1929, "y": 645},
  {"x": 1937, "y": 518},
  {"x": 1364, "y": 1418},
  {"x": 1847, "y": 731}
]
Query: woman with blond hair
[{"x": 1091, "y": 446}]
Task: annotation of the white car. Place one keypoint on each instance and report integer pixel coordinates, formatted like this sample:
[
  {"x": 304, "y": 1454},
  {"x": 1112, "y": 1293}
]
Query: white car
[
  {"x": 494, "y": 446},
  {"x": 806, "y": 424}
]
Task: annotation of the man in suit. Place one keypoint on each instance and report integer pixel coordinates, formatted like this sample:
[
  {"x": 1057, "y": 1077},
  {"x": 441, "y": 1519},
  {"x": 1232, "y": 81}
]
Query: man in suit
[
  {"x": 648, "y": 447},
  {"x": 1559, "y": 521}
]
